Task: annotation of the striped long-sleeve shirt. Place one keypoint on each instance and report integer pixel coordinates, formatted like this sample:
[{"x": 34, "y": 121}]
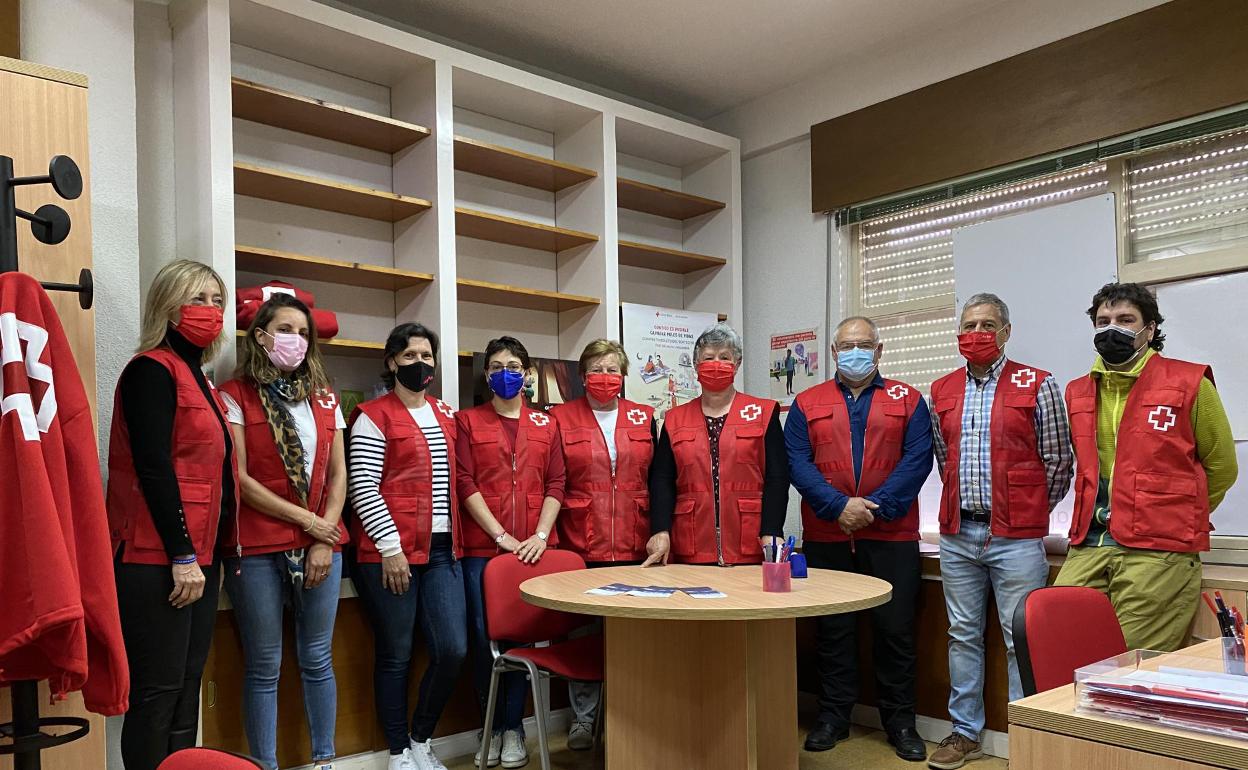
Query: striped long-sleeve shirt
[
  {"x": 368, "y": 457},
  {"x": 975, "y": 451}
]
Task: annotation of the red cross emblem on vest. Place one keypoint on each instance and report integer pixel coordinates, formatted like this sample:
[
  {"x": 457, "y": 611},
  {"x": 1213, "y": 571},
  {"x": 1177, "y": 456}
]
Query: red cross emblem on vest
[
  {"x": 327, "y": 399},
  {"x": 1023, "y": 378},
  {"x": 28, "y": 390},
  {"x": 636, "y": 416},
  {"x": 750, "y": 412},
  {"x": 1162, "y": 418},
  {"x": 540, "y": 419},
  {"x": 898, "y": 392},
  {"x": 445, "y": 409}
]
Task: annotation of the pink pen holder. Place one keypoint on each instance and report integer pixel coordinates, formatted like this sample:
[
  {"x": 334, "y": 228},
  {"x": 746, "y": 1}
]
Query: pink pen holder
[{"x": 777, "y": 577}]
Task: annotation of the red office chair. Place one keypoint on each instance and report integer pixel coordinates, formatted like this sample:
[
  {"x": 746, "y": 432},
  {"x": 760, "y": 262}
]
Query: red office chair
[
  {"x": 1059, "y": 629},
  {"x": 208, "y": 759},
  {"x": 508, "y": 618}
]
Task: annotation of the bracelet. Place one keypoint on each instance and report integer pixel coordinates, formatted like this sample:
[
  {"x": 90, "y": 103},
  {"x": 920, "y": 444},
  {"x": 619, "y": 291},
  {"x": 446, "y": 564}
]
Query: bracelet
[
  {"x": 186, "y": 560},
  {"x": 499, "y": 540},
  {"x": 311, "y": 524}
]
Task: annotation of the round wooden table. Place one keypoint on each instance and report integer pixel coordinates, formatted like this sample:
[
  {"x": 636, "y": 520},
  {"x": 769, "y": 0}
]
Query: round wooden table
[{"x": 703, "y": 683}]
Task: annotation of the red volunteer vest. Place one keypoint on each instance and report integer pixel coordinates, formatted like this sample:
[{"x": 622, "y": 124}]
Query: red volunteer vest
[
  {"x": 259, "y": 533},
  {"x": 606, "y": 514},
  {"x": 742, "y": 463},
  {"x": 1160, "y": 495},
  {"x": 827, "y": 421},
  {"x": 407, "y": 479},
  {"x": 513, "y": 485},
  {"x": 198, "y": 456},
  {"x": 1020, "y": 486}
]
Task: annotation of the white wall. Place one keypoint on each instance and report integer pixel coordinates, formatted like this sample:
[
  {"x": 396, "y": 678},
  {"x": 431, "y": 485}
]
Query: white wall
[
  {"x": 153, "y": 77},
  {"x": 785, "y": 265},
  {"x": 96, "y": 38}
]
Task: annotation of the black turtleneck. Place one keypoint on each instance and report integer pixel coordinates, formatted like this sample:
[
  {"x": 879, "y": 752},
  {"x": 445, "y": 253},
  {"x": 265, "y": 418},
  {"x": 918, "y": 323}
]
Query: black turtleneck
[{"x": 149, "y": 401}]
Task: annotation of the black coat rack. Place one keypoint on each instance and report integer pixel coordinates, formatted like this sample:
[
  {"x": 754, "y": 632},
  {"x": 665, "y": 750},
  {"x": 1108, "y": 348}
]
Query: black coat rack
[{"x": 49, "y": 224}]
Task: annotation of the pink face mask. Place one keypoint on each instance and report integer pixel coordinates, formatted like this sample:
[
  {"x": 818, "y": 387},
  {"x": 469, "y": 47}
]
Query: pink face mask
[{"x": 288, "y": 350}]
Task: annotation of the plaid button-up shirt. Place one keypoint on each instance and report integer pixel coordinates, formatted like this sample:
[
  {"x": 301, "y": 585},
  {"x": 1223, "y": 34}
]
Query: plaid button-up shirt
[{"x": 975, "y": 449}]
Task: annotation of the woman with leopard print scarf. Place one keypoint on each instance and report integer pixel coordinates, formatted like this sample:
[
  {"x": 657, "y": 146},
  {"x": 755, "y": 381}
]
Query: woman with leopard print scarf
[{"x": 287, "y": 537}]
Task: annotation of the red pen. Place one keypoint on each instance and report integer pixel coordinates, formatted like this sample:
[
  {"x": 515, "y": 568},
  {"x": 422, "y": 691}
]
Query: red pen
[{"x": 1212, "y": 607}]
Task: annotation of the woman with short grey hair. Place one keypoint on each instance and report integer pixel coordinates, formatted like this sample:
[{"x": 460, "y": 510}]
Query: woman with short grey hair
[{"x": 719, "y": 481}]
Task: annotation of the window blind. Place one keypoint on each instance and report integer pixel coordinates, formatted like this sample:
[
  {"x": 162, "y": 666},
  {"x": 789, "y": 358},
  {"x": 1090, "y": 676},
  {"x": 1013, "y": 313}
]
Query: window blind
[
  {"x": 908, "y": 255},
  {"x": 1189, "y": 198},
  {"x": 919, "y": 347}
]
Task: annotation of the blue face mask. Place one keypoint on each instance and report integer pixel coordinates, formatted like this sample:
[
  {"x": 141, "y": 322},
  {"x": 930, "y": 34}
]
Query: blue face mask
[
  {"x": 506, "y": 384},
  {"x": 855, "y": 364}
]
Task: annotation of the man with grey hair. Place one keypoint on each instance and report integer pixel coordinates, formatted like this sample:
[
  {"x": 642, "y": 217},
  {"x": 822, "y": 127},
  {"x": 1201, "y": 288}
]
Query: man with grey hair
[
  {"x": 860, "y": 447},
  {"x": 1002, "y": 443}
]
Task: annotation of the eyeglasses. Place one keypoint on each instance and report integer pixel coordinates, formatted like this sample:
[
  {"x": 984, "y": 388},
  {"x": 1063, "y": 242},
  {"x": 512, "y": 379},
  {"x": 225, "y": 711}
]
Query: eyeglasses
[
  {"x": 513, "y": 368},
  {"x": 845, "y": 347}
]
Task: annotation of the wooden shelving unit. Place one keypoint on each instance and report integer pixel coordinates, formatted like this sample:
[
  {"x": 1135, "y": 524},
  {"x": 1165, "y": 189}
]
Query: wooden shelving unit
[
  {"x": 324, "y": 194},
  {"x": 274, "y": 107},
  {"x": 667, "y": 260},
  {"x": 510, "y": 165},
  {"x": 652, "y": 199},
  {"x": 345, "y": 347},
  {"x": 471, "y": 223},
  {"x": 254, "y": 259},
  {"x": 489, "y": 293}
]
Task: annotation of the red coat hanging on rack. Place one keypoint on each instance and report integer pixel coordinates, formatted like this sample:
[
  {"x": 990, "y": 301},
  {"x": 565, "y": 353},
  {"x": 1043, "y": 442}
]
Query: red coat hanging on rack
[{"x": 58, "y": 603}]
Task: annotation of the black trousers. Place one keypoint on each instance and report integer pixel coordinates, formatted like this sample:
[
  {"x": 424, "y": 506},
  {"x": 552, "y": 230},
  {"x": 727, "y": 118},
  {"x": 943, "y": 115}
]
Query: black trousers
[
  {"x": 167, "y": 649},
  {"x": 893, "y": 632}
]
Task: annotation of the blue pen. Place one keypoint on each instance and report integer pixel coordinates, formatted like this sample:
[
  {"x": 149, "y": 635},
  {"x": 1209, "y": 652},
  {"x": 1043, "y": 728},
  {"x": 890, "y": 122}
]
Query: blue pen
[{"x": 789, "y": 546}]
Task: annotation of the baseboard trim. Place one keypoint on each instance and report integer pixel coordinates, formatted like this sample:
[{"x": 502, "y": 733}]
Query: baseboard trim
[
  {"x": 935, "y": 730},
  {"x": 451, "y": 746}
]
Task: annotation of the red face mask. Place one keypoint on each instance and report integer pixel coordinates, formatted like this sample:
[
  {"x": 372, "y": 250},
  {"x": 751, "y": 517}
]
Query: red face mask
[
  {"x": 602, "y": 386},
  {"x": 979, "y": 348},
  {"x": 200, "y": 324},
  {"x": 716, "y": 375}
]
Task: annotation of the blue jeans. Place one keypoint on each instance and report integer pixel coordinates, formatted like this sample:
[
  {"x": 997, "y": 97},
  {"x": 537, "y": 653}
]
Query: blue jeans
[
  {"x": 258, "y": 593},
  {"x": 969, "y": 562},
  {"x": 435, "y": 600},
  {"x": 512, "y": 688}
]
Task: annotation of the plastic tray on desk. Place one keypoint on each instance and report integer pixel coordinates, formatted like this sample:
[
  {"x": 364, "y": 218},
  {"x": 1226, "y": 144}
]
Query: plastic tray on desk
[{"x": 1189, "y": 692}]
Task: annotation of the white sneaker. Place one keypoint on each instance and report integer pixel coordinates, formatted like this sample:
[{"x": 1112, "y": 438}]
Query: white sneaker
[
  {"x": 423, "y": 757},
  {"x": 495, "y": 748},
  {"x": 404, "y": 761},
  {"x": 515, "y": 753},
  {"x": 581, "y": 736}
]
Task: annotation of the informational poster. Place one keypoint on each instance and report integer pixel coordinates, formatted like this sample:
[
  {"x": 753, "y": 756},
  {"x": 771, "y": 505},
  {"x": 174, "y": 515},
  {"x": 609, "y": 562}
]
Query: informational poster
[
  {"x": 659, "y": 342},
  {"x": 795, "y": 363}
]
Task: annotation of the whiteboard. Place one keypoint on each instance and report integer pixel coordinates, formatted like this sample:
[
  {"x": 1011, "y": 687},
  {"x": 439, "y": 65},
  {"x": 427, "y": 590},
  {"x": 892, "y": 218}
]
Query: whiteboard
[
  {"x": 1231, "y": 517},
  {"x": 1046, "y": 265},
  {"x": 1199, "y": 327}
]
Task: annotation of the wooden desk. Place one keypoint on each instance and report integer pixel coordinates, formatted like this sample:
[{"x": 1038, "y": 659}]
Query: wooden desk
[
  {"x": 703, "y": 683},
  {"x": 1047, "y": 732}
]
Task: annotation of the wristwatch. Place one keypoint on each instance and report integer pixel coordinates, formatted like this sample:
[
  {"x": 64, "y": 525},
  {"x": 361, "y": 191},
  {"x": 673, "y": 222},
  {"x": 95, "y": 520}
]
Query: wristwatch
[
  {"x": 542, "y": 536},
  {"x": 499, "y": 540}
]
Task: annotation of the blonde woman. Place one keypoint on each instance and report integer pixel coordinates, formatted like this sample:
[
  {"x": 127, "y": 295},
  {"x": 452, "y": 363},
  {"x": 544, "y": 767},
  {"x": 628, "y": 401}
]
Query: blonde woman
[
  {"x": 608, "y": 443},
  {"x": 172, "y": 478},
  {"x": 288, "y": 431}
]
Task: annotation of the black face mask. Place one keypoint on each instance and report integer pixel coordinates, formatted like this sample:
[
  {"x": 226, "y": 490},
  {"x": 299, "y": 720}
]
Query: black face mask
[
  {"x": 1116, "y": 345},
  {"x": 416, "y": 376}
]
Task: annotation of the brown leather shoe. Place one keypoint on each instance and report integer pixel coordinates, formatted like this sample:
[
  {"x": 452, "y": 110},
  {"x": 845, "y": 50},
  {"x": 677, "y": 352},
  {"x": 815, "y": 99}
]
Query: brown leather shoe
[{"x": 954, "y": 752}]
